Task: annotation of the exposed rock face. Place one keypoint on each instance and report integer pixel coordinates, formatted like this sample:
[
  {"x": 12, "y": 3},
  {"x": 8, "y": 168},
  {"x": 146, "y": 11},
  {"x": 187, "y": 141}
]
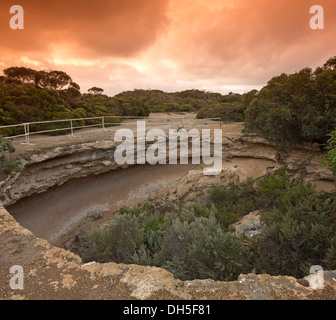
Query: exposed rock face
[
  {"x": 54, "y": 273},
  {"x": 55, "y": 167},
  {"x": 196, "y": 187},
  {"x": 249, "y": 225},
  {"x": 92, "y": 213},
  {"x": 305, "y": 159}
]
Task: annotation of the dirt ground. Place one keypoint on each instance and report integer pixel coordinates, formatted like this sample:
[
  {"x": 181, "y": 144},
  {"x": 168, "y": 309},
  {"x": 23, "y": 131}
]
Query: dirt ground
[{"x": 39, "y": 142}]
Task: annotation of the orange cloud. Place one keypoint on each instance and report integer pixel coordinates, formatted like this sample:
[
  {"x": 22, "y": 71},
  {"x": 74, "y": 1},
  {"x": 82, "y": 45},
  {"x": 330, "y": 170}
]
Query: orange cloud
[
  {"x": 104, "y": 27},
  {"x": 216, "y": 45}
]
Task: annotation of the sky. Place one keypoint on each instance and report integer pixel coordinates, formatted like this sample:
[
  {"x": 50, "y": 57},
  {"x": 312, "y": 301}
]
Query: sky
[{"x": 170, "y": 45}]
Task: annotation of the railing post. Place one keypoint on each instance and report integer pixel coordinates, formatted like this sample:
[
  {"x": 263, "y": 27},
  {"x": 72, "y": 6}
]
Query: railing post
[
  {"x": 26, "y": 130},
  {"x": 71, "y": 128},
  {"x": 103, "y": 122},
  {"x": 28, "y": 142},
  {"x": 26, "y": 133}
]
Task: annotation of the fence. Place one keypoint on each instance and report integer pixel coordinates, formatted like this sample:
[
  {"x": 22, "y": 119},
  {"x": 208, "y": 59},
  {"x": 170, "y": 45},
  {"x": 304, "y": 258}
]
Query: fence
[{"x": 103, "y": 123}]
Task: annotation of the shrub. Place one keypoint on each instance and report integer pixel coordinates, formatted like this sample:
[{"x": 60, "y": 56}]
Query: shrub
[
  {"x": 280, "y": 189},
  {"x": 234, "y": 202},
  {"x": 199, "y": 248},
  {"x": 195, "y": 241},
  {"x": 330, "y": 157},
  {"x": 330, "y": 258},
  {"x": 8, "y": 164},
  {"x": 116, "y": 241},
  {"x": 183, "y": 241},
  {"x": 297, "y": 235},
  {"x": 231, "y": 112}
]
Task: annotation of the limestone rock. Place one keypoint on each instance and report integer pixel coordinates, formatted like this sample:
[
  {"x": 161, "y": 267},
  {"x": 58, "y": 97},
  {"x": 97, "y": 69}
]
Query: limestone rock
[
  {"x": 97, "y": 212},
  {"x": 56, "y": 166},
  {"x": 249, "y": 225}
]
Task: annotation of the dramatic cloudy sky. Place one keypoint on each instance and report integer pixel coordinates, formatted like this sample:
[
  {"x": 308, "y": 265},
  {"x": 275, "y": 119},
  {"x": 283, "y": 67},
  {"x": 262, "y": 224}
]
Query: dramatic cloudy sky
[{"x": 172, "y": 45}]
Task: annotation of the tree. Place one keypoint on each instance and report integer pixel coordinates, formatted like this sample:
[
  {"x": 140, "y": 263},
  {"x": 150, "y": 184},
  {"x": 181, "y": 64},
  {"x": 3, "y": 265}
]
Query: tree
[
  {"x": 74, "y": 85},
  {"x": 55, "y": 80},
  {"x": 59, "y": 79},
  {"x": 248, "y": 97},
  {"x": 295, "y": 108},
  {"x": 22, "y": 74},
  {"x": 41, "y": 79},
  {"x": 330, "y": 64},
  {"x": 96, "y": 90}
]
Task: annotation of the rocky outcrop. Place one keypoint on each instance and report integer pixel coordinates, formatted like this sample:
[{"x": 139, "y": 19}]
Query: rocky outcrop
[
  {"x": 304, "y": 159},
  {"x": 249, "y": 225},
  {"x": 54, "y": 273},
  {"x": 196, "y": 187},
  {"x": 56, "y": 166}
]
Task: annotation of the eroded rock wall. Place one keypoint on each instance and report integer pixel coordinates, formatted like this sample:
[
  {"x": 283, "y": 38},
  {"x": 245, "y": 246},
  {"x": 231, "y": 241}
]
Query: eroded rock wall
[{"x": 55, "y": 167}]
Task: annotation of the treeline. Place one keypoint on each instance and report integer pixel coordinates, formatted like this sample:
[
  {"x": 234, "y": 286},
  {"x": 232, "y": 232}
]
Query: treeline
[
  {"x": 231, "y": 108},
  {"x": 28, "y": 95},
  {"x": 289, "y": 110},
  {"x": 184, "y": 101}
]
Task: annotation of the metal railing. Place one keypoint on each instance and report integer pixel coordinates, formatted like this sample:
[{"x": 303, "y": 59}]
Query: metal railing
[{"x": 102, "y": 122}]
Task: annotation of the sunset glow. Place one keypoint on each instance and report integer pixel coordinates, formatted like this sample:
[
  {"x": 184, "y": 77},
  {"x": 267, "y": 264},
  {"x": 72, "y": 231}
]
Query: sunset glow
[{"x": 171, "y": 45}]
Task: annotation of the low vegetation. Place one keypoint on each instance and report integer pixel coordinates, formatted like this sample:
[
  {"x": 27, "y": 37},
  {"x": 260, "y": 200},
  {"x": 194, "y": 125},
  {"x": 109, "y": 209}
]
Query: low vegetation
[
  {"x": 197, "y": 241},
  {"x": 330, "y": 157},
  {"x": 8, "y": 164}
]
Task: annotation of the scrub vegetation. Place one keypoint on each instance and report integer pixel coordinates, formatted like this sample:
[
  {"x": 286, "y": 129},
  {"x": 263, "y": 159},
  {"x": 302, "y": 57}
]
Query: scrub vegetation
[{"x": 298, "y": 228}]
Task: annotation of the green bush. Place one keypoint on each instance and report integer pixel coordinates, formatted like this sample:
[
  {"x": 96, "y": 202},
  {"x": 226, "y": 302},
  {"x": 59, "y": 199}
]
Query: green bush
[
  {"x": 183, "y": 241},
  {"x": 8, "y": 164},
  {"x": 203, "y": 250},
  {"x": 226, "y": 111},
  {"x": 195, "y": 241},
  {"x": 233, "y": 203},
  {"x": 295, "y": 108},
  {"x": 116, "y": 241},
  {"x": 297, "y": 236},
  {"x": 330, "y": 258},
  {"x": 330, "y": 157}
]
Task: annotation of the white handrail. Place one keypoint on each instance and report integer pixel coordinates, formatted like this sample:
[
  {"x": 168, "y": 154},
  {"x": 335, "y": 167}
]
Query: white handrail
[{"x": 27, "y": 133}]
